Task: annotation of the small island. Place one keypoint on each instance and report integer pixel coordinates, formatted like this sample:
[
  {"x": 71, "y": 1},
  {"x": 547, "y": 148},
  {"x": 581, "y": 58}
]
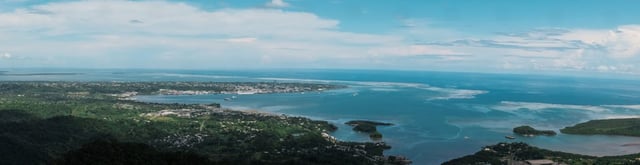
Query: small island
[
  {"x": 526, "y": 130},
  {"x": 624, "y": 127},
  {"x": 369, "y": 127}
]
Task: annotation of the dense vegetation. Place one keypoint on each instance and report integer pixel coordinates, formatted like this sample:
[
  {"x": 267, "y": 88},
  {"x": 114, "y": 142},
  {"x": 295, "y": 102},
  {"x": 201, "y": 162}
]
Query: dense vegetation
[
  {"x": 530, "y": 131},
  {"x": 626, "y": 127},
  {"x": 80, "y": 122},
  {"x": 517, "y": 153},
  {"x": 111, "y": 151},
  {"x": 369, "y": 127}
]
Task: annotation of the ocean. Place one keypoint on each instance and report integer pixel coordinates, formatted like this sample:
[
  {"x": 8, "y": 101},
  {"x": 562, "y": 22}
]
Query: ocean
[{"x": 437, "y": 115}]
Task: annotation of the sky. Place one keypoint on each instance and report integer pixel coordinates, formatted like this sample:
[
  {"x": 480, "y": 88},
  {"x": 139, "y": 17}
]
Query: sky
[{"x": 536, "y": 36}]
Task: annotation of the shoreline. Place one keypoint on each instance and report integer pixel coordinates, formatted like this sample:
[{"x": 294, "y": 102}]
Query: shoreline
[
  {"x": 342, "y": 120},
  {"x": 330, "y": 135}
]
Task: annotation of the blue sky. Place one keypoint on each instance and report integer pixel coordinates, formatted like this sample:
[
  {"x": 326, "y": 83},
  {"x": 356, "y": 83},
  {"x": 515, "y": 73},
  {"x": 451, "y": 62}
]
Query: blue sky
[{"x": 541, "y": 36}]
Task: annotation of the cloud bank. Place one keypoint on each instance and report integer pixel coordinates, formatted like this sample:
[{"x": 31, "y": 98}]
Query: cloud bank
[{"x": 158, "y": 34}]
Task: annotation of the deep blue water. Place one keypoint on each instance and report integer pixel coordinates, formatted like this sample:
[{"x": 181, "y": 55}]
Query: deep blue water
[{"x": 433, "y": 111}]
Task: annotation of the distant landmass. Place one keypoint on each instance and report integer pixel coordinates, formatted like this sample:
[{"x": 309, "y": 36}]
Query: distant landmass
[{"x": 6, "y": 73}]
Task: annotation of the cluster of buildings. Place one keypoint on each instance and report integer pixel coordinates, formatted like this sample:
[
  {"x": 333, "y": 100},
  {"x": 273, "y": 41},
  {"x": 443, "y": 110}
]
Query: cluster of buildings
[
  {"x": 185, "y": 92},
  {"x": 244, "y": 90},
  {"x": 185, "y": 112},
  {"x": 180, "y": 141}
]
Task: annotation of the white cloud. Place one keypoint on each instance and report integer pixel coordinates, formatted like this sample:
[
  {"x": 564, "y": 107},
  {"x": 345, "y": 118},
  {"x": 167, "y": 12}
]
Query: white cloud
[
  {"x": 181, "y": 35},
  {"x": 604, "y": 68},
  {"x": 245, "y": 40},
  {"x": 622, "y": 42},
  {"x": 572, "y": 60},
  {"x": 5, "y": 56},
  {"x": 160, "y": 18},
  {"x": 277, "y": 3},
  {"x": 599, "y": 50},
  {"x": 412, "y": 50}
]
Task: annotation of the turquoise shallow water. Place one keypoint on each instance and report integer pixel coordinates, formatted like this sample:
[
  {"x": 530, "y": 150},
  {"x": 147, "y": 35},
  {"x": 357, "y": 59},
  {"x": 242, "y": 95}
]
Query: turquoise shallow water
[{"x": 433, "y": 111}]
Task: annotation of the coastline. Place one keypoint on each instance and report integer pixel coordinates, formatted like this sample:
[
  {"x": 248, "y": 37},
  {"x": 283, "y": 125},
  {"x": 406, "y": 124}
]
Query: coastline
[
  {"x": 264, "y": 136},
  {"x": 328, "y": 136},
  {"x": 342, "y": 120},
  {"x": 394, "y": 159}
]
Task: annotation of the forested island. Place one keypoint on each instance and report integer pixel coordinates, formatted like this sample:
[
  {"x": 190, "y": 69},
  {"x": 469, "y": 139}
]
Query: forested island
[
  {"x": 625, "y": 127},
  {"x": 93, "y": 122},
  {"x": 526, "y": 130},
  {"x": 369, "y": 127}
]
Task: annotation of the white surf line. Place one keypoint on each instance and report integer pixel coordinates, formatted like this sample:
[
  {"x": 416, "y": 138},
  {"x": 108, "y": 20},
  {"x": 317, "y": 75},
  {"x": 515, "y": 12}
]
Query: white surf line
[{"x": 537, "y": 106}]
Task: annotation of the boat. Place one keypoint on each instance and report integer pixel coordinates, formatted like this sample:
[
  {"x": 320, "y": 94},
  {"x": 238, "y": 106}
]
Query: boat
[
  {"x": 509, "y": 137},
  {"x": 227, "y": 99}
]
